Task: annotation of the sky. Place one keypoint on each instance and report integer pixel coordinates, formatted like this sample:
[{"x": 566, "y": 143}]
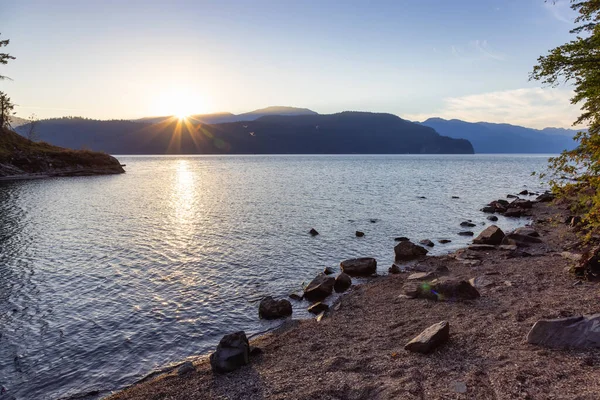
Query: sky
[{"x": 463, "y": 59}]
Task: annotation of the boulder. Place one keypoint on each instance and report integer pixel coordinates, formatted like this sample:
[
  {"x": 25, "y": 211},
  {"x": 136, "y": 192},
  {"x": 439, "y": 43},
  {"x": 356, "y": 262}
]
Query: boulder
[
  {"x": 328, "y": 271},
  {"x": 394, "y": 269},
  {"x": 545, "y": 197},
  {"x": 513, "y": 212},
  {"x": 490, "y": 235},
  {"x": 467, "y": 224},
  {"x": 408, "y": 251},
  {"x": 524, "y": 193},
  {"x": 342, "y": 283},
  {"x": 313, "y": 232},
  {"x": 359, "y": 234},
  {"x": 580, "y": 332},
  {"x": 318, "y": 308},
  {"x": 488, "y": 209},
  {"x": 401, "y": 239},
  {"x": 296, "y": 296},
  {"x": 444, "y": 241},
  {"x": 233, "y": 352},
  {"x": 521, "y": 203},
  {"x": 466, "y": 233},
  {"x": 511, "y": 196},
  {"x": 430, "y": 338},
  {"x": 502, "y": 202},
  {"x": 497, "y": 206},
  {"x": 319, "y": 288},
  {"x": 365, "y": 266},
  {"x": 517, "y": 237},
  {"x": 444, "y": 289},
  {"x": 426, "y": 242},
  {"x": 527, "y": 231},
  {"x": 493, "y": 218},
  {"x": 270, "y": 308}
]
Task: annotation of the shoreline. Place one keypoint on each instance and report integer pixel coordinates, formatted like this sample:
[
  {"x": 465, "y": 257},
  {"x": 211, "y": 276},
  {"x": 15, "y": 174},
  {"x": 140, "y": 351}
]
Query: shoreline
[{"x": 365, "y": 333}]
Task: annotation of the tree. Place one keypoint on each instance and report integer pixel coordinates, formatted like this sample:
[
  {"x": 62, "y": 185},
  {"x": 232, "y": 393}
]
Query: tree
[
  {"x": 32, "y": 133},
  {"x": 4, "y": 57},
  {"x": 6, "y": 110},
  {"x": 576, "y": 173}
]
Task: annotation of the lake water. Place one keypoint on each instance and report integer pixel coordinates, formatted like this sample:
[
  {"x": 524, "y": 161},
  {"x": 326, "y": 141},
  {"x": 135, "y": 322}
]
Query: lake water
[{"x": 103, "y": 279}]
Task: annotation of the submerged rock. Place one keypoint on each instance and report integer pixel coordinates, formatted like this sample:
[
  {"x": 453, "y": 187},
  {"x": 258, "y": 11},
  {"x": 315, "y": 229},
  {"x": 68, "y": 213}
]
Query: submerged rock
[
  {"x": 467, "y": 224},
  {"x": 364, "y": 266},
  {"x": 401, "y": 239},
  {"x": 490, "y": 235},
  {"x": 359, "y": 234},
  {"x": 342, "y": 283},
  {"x": 430, "y": 338},
  {"x": 408, "y": 251},
  {"x": 493, "y": 218},
  {"x": 270, "y": 308},
  {"x": 233, "y": 352},
  {"x": 444, "y": 241},
  {"x": 313, "y": 232},
  {"x": 521, "y": 203},
  {"x": 328, "y": 271},
  {"x": 427, "y": 242},
  {"x": 466, "y": 233},
  {"x": 319, "y": 288},
  {"x": 580, "y": 332}
]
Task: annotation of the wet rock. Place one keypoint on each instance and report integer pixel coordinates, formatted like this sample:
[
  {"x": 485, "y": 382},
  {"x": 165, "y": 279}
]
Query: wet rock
[
  {"x": 502, "y": 202},
  {"x": 488, "y": 209},
  {"x": 467, "y": 224},
  {"x": 545, "y": 197},
  {"x": 365, "y": 266},
  {"x": 455, "y": 197},
  {"x": 513, "y": 212},
  {"x": 490, "y": 235},
  {"x": 401, "y": 239},
  {"x": 342, "y": 283},
  {"x": 498, "y": 206},
  {"x": 296, "y": 296},
  {"x": 394, "y": 269},
  {"x": 422, "y": 197},
  {"x": 359, "y": 234},
  {"x": 482, "y": 247},
  {"x": 421, "y": 276},
  {"x": 328, "y": 271},
  {"x": 521, "y": 203},
  {"x": 511, "y": 196},
  {"x": 430, "y": 338},
  {"x": 313, "y": 232},
  {"x": 270, "y": 308},
  {"x": 185, "y": 368},
  {"x": 493, "y": 218},
  {"x": 466, "y": 233},
  {"x": 408, "y": 251},
  {"x": 319, "y": 288},
  {"x": 444, "y": 241},
  {"x": 233, "y": 352},
  {"x": 426, "y": 242},
  {"x": 573, "y": 333},
  {"x": 318, "y": 308},
  {"x": 373, "y": 220},
  {"x": 524, "y": 193}
]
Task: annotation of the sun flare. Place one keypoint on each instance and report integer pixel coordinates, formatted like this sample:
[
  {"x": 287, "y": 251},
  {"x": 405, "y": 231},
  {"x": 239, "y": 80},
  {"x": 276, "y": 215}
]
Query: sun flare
[{"x": 180, "y": 103}]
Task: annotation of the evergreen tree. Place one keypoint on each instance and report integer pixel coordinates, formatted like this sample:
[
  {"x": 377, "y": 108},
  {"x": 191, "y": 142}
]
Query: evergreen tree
[{"x": 4, "y": 57}]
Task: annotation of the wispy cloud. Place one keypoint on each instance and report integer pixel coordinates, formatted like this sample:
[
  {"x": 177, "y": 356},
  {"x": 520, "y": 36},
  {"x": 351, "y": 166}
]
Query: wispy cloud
[
  {"x": 560, "y": 10},
  {"x": 485, "y": 50},
  {"x": 476, "y": 50},
  {"x": 531, "y": 107}
]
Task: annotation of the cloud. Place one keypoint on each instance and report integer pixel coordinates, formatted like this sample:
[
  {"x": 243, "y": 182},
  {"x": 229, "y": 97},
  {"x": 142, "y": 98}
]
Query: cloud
[
  {"x": 530, "y": 107},
  {"x": 476, "y": 50},
  {"x": 560, "y": 10},
  {"x": 485, "y": 50}
]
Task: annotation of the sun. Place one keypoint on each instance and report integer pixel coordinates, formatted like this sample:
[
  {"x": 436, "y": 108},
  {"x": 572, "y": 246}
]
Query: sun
[{"x": 181, "y": 103}]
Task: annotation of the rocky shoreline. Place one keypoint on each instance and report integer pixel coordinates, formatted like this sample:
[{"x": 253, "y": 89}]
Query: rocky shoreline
[{"x": 457, "y": 326}]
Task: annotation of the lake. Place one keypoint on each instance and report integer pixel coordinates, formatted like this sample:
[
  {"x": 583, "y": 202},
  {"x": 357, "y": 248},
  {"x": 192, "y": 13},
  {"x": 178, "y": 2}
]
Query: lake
[{"x": 103, "y": 279}]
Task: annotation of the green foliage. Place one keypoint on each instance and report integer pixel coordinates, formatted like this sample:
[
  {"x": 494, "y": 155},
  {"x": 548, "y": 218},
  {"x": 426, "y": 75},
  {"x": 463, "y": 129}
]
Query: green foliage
[
  {"x": 6, "y": 110},
  {"x": 576, "y": 173},
  {"x": 4, "y": 57}
]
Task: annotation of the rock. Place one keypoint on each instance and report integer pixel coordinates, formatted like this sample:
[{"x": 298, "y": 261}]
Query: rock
[
  {"x": 394, "y": 269},
  {"x": 444, "y": 241},
  {"x": 571, "y": 256},
  {"x": 313, "y": 232},
  {"x": 441, "y": 290},
  {"x": 518, "y": 253},
  {"x": 318, "y": 308},
  {"x": 408, "y": 251},
  {"x": 498, "y": 206},
  {"x": 524, "y": 193},
  {"x": 422, "y": 197},
  {"x": 455, "y": 197},
  {"x": 296, "y": 296},
  {"x": 573, "y": 221},
  {"x": 430, "y": 338},
  {"x": 508, "y": 247},
  {"x": 481, "y": 282},
  {"x": 511, "y": 196},
  {"x": 493, "y": 218},
  {"x": 401, "y": 239},
  {"x": 342, "y": 283},
  {"x": 574, "y": 332},
  {"x": 270, "y": 308},
  {"x": 488, "y": 209},
  {"x": 459, "y": 387},
  {"x": 185, "y": 368},
  {"x": 255, "y": 351},
  {"x": 232, "y": 353},
  {"x": 466, "y": 233},
  {"x": 320, "y": 316},
  {"x": 490, "y": 235},
  {"x": 482, "y": 247},
  {"x": 426, "y": 242},
  {"x": 518, "y": 238},
  {"x": 467, "y": 224},
  {"x": 441, "y": 270},
  {"x": 365, "y": 266},
  {"x": 521, "y": 203},
  {"x": 421, "y": 276},
  {"x": 328, "y": 271},
  {"x": 589, "y": 266},
  {"x": 545, "y": 197},
  {"x": 373, "y": 220},
  {"x": 527, "y": 231},
  {"x": 502, "y": 202},
  {"x": 359, "y": 234},
  {"x": 319, "y": 288},
  {"x": 513, "y": 212}
]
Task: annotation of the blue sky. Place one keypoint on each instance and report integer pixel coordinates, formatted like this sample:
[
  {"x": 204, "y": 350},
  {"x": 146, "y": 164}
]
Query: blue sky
[{"x": 466, "y": 59}]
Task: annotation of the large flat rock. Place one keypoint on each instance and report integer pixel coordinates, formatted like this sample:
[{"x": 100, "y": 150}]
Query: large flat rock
[
  {"x": 430, "y": 338},
  {"x": 580, "y": 332}
]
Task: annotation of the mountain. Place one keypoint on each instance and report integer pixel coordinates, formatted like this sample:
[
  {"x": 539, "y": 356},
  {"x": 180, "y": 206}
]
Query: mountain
[
  {"x": 224, "y": 117},
  {"x": 17, "y": 121},
  {"x": 347, "y": 132},
  {"x": 504, "y": 138}
]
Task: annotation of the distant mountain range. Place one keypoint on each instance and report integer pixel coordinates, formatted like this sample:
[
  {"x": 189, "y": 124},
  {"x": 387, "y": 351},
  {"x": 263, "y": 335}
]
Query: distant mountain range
[
  {"x": 504, "y": 138},
  {"x": 274, "y": 130}
]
